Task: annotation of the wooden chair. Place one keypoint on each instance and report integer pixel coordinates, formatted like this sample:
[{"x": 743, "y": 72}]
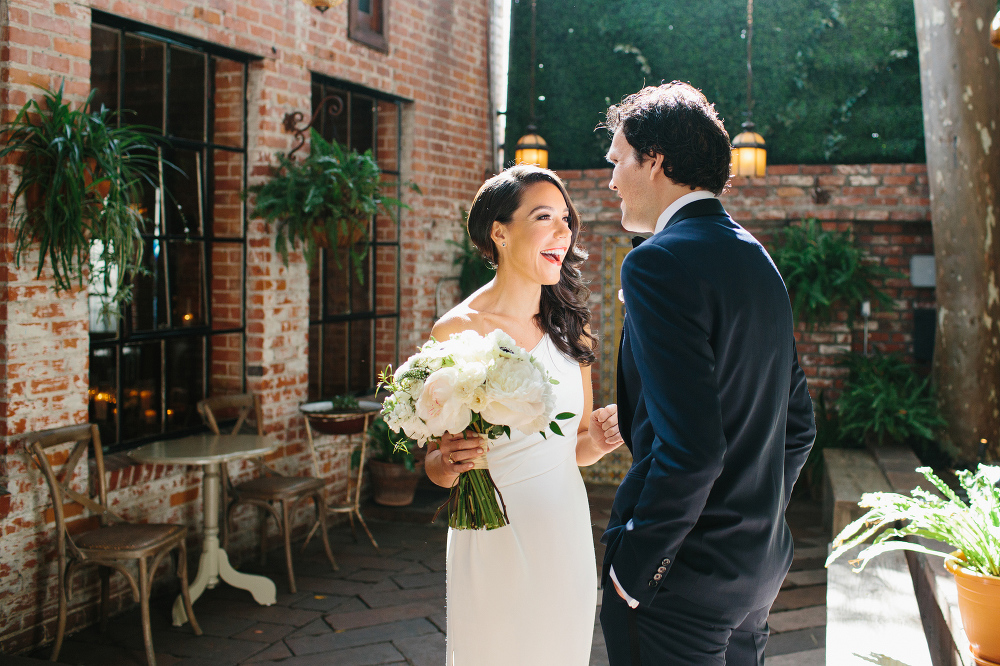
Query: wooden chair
[
  {"x": 114, "y": 543},
  {"x": 269, "y": 487}
]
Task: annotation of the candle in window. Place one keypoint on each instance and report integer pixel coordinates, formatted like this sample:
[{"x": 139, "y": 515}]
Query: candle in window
[
  {"x": 150, "y": 415},
  {"x": 146, "y": 397}
]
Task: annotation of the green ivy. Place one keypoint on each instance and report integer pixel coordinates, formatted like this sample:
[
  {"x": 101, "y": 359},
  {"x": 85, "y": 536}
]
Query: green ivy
[
  {"x": 823, "y": 269},
  {"x": 834, "y": 81}
]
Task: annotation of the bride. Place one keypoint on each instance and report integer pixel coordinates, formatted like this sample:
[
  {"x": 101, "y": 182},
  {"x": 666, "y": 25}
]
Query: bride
[{"x": 526, "y": 593}]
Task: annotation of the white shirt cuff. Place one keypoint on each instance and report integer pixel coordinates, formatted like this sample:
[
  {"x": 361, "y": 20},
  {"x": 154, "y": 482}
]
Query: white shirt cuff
[{"x": 632, "y": 603}]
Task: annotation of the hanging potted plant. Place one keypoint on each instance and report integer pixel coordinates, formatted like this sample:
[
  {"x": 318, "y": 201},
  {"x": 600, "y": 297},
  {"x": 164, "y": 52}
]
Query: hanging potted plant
[
  {"x": 325, "y": 200},
  {"x": 79, "y": 192},
  {"x": 396, "y": 466},
  {"x": 970, "y": 526}
]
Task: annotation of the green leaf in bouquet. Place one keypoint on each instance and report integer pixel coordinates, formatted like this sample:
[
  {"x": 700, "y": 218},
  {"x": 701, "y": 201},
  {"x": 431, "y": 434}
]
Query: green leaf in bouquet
[
  {"x": 554, "y": 382},
  {"x": 554, "y": 427},
  {"x": 506, "y": 431},
  {"x": 564, "y": 416}
]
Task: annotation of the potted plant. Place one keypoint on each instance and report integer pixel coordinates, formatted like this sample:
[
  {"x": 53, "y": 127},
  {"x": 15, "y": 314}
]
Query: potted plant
[
  {"x": 884, "y": 400},
  {"x": 823, "y": 269},
  {"x": 324, "y": 200},
  {"x": 396, "y": 466},
  {"x": 340, "y": 415},
  {"x": 970, "y": 526},
  {"x": 80, "y": 176}
]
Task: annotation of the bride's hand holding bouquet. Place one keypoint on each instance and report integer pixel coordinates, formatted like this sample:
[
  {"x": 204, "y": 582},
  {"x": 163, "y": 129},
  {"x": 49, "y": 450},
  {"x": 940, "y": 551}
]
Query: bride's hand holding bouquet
[{"x": 483, "y": 384}]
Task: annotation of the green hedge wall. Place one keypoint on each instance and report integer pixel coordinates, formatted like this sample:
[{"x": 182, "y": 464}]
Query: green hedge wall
[{"x": 834, "y": 81}]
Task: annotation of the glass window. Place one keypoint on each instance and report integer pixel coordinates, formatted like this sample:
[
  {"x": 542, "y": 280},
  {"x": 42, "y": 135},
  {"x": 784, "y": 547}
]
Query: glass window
[
  {"x": 183, "y": 336},
  {"x": 366, "y": 23},
  {"x": 354, "y": 324}
]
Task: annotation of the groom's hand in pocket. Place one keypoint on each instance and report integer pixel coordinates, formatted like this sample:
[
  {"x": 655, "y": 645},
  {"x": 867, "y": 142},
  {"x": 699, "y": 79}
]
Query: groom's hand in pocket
[{"x": 604, "y": 428}]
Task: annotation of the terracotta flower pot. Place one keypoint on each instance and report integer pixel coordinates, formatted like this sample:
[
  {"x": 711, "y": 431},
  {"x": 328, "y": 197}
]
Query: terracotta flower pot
[
  {"x": 323, "y": 419},
  {"x": 393, "y": 484},
  {"x": 979, "y": 603}
]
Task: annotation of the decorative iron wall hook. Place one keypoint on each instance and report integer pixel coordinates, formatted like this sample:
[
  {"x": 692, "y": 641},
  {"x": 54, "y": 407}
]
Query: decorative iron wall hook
[{"x": 291, "y": 120}]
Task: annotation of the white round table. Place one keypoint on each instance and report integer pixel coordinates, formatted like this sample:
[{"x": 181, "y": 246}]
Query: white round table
[{"x": 210, "y": 451}]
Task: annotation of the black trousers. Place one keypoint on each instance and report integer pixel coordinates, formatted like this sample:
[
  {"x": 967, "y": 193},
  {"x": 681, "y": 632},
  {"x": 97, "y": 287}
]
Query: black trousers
[{"x": 673, "y": 631}]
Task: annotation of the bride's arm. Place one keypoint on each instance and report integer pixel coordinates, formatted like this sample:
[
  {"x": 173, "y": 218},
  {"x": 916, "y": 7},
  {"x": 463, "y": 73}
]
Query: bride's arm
[{"x": 598, "y": 431}]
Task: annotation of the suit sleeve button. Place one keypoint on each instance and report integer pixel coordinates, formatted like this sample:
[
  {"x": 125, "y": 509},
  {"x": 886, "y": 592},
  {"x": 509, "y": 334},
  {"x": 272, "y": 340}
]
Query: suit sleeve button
[
  {"x": 666, "y": 561},
  {"x": 661, "y": 569},
  {"x": 652, "y": 583},
  {"x": 657, "y": 576}
]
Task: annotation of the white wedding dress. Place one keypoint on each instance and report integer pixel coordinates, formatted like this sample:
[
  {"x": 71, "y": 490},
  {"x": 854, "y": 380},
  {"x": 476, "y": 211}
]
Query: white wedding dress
[{"x": 526, "y": 594}]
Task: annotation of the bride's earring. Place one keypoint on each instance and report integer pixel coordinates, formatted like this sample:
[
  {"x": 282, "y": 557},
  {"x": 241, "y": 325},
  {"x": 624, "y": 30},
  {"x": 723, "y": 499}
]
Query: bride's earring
[{"x": 503, "y": 244}]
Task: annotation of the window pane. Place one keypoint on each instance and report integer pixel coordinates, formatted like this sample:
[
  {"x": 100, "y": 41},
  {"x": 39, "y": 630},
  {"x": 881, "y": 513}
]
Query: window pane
[
  {"x": 187, "y": 275},
  {"x": 225, "y": 183},
  {"x": 386, "y": 228},
  {"x": 141, "y": 377},
  {"x": 334, "y": 367},
  {"x": 184, "y": 369},
  {"x": 103, "y": 388},
  {"x": 385, "y": 278},
  {"x": 388, "y": 136},
  {"x": 186, "y": 94},
  {"x": 332, "y": 121},
  {"x": 361, "y": 356},
  {"x": 183, "y": 206},
  {"x": 228, "y": 102},
  {"x": 362, "y": 123},
  {"x": 225, "y": 364},
  {"x": 143, "y": 92},
  {"x": 149, "y": 311},
  {"x": 337, "y": 280},
  {"x": 361, "y": 290},
  {"x": 227, "y": 285},
  {"x": 315, "y": 345},
  {"x": 104, "y": 67},
  {"x": 385, "y": 343}
]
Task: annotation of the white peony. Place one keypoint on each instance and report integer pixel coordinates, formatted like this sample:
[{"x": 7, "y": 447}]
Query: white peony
[
  {"x": 439, "y": 405},
  {"x": 518, "y": 396}
]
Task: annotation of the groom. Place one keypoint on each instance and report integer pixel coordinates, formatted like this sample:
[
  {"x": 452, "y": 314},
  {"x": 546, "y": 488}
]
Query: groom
[{"x": 711, "y": 401}]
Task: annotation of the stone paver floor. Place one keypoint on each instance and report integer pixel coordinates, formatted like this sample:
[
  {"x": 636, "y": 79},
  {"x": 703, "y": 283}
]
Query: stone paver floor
[{"x": 388, "y": 607}]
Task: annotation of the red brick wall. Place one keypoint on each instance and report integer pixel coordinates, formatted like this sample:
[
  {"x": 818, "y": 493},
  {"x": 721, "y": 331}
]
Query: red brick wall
[
  {"x": 886, "y": 206},
  {"x": 437, "y": 59}
]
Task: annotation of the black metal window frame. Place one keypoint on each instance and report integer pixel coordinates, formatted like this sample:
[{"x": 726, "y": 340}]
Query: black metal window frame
[
  {"x": 125, "y": 337},
  {"x": 373, "y": 313}
]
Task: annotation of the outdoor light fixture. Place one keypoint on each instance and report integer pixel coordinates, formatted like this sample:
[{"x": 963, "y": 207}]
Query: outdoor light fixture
[
  {"x": 323, "y": 5},
  {"x": 531, "y": 148},
  {"x": 749, "y": 149}
]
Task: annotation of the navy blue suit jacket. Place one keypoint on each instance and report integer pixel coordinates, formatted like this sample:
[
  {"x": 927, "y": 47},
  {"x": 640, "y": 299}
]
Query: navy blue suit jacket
[{"x": 714, "y": 407}]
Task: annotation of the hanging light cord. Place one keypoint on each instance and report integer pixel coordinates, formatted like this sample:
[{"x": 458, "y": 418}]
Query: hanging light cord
[
  {"x": 531, "y": 99},
  {"x": 749, "y": 66}
]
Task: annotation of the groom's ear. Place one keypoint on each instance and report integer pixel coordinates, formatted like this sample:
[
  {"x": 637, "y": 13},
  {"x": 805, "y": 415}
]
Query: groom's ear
[{"x": 656, "y": 166}]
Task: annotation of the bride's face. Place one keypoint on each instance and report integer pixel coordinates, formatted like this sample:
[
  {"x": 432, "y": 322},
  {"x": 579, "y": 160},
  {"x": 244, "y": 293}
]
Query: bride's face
[{"x": 538, "y": 236}]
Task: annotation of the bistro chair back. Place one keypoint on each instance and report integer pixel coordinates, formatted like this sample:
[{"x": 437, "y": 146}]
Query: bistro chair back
[
  {"x": 273, "y": 493},
  {"x": 111, "y": 542}
]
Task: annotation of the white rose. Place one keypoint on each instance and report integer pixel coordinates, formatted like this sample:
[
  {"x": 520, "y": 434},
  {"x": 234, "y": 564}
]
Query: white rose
[
  {"x": 438, "y": 405},
  {"x": 517, "y": 395}
]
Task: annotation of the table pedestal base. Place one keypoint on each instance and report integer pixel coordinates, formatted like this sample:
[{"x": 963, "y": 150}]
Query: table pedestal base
[{"x": 214, "y": 564}]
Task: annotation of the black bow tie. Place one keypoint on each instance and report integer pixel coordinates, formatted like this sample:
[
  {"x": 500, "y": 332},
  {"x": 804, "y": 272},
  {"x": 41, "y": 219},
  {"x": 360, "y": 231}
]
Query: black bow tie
[{"x": 638, "y": 240}]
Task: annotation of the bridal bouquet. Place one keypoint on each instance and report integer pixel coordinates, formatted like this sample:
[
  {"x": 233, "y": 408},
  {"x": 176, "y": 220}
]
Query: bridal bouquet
[{"x": 484, "y": 383}]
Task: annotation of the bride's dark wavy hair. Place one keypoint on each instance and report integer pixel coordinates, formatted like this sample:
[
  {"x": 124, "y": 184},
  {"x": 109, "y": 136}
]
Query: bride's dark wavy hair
[{"x": 563, "y": 313}]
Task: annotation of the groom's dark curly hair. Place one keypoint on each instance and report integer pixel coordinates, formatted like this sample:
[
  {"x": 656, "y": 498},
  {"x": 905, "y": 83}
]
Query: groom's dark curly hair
[{"x": 677, "y": 121}]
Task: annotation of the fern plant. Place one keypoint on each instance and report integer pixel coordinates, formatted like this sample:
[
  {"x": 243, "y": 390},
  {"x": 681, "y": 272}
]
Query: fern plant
[
  {"x": 80, "y": 190},
  {"x": 326, "y": 199},
  {"x": 972, "y": 526},
  {"x": 884, "y": 398},
  {"x": 823, "y": 268}
]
